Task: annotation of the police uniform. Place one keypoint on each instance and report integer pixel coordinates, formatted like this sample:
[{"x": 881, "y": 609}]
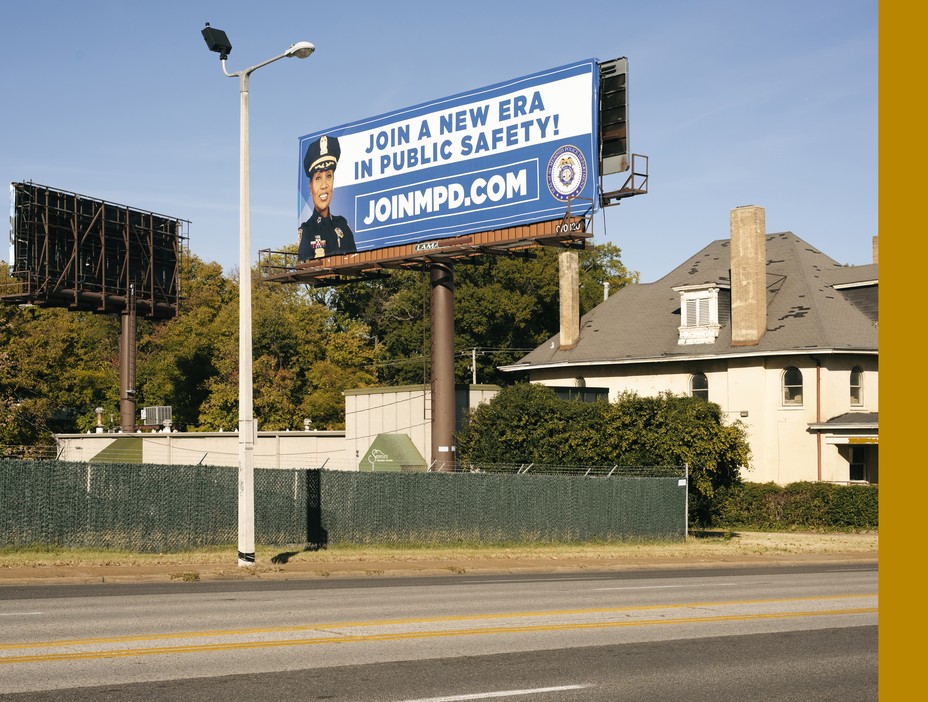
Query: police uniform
[{"x": 323, "y": 235}]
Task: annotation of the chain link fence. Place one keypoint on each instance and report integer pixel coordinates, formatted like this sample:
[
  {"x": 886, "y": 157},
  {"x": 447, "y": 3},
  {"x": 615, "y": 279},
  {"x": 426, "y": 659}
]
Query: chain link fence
[
  {"x": 606, "y": 471},
  {"x": 156, "y": 508}
]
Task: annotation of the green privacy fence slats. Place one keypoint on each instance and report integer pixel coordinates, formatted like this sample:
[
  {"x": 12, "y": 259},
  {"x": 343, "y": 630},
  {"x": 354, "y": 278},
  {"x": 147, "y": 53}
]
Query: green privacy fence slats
[
  {"x": 171, "y": 508},
  {"x": 485, "y": 508}
]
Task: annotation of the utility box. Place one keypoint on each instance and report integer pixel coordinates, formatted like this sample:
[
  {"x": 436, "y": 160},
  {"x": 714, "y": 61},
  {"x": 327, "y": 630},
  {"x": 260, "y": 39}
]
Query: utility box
[
  {"x": 393, "y": 452},
  {"x": 156, "y": 415}
]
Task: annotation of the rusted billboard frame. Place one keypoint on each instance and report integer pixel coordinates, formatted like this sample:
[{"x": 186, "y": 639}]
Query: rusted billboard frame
[
  {"x": 281, "y": 267},
  {"x": 38, "y": 282},
  {"x": 41, "y": 283}
]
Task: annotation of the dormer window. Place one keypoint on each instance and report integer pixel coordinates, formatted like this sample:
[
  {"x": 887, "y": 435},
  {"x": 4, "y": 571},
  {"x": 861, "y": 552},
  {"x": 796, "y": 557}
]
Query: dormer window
[{"x": 699, "y": 312}]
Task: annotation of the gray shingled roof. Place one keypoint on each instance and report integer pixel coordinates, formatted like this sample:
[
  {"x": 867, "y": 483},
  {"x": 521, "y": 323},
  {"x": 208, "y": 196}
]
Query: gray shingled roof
[
  {"x": 850, "y": 421},
  {"x": 849, "y": 275},
  {"x": 804, "y": 311}
]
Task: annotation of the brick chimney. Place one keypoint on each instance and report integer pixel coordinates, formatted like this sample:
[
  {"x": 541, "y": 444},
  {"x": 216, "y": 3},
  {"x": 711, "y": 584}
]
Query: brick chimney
[
  {"x": 876, "y": 249},
  {"x": 748, "y": 275}
]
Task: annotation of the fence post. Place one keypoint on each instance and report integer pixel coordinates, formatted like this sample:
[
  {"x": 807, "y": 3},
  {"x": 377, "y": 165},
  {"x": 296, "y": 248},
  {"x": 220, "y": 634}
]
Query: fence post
[{"x": 686, "y": 511}]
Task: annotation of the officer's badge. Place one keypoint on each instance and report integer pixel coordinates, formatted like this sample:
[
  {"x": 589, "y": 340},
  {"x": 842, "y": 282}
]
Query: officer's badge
[
  {"x": 567, "y": 172},
  {"x": 318, "y": 247}
]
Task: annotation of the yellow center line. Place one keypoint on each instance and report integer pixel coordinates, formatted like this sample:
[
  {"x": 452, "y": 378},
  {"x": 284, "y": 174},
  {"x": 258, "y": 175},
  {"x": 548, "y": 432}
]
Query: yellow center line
[
  {"x": 405, "y": 636},
  {"x": 412, "y": 620}
]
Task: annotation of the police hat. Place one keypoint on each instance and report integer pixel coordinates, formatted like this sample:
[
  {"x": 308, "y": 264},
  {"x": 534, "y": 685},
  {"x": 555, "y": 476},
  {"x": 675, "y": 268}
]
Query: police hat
[{"x": 322, "y": 155}]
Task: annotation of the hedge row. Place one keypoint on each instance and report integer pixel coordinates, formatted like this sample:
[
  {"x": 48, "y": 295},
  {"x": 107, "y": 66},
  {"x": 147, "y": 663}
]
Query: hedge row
[{"x": 804, "y": 505}]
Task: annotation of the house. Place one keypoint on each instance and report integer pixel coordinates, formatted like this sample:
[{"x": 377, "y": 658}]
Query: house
[{"x": 776, "y": 332}]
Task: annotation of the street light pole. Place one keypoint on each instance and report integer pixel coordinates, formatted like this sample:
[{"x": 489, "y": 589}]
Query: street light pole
[
  {"x": 246, "y": 420},
  {"x": 247, "y": 429}
]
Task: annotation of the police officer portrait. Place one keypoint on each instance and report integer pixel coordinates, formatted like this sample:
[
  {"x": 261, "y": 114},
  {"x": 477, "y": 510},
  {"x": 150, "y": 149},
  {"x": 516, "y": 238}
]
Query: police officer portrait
[{"x": 323, "y": 234}]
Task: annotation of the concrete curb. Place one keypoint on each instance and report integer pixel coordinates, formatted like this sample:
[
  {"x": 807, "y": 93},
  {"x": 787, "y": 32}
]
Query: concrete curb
[{"x": 451, "y": 567}]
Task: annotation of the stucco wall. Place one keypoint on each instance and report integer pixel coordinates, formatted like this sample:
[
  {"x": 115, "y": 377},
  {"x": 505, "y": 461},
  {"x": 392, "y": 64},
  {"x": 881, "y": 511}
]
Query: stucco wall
[
  {"x": 296, "y": 449},
  {"x": 403, "y": 410}
]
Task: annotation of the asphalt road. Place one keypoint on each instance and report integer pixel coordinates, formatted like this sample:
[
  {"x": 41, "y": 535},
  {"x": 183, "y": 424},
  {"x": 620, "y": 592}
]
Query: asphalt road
[{"x": 773, "y": 633}]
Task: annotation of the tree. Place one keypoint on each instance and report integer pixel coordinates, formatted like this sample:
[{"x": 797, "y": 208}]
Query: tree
[
  {"x": 675, "y": 430},
  {"x": 305, "y": 355},
  {"x": 529, "y": 423},
  {"x": 505, "y": 306},
  {"x": 56, "y": 367},
  {"x": 177, "y": 358}
]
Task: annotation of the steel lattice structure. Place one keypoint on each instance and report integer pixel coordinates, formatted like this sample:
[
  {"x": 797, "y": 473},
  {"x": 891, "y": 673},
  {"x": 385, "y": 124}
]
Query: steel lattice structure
[{"x": 88, "y": 254}]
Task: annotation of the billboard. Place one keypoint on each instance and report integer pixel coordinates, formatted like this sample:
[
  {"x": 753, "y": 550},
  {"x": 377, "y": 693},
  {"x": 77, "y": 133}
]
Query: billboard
[
  {"x": 70, "y": 250},
  {"x": 506, "y": 155}
]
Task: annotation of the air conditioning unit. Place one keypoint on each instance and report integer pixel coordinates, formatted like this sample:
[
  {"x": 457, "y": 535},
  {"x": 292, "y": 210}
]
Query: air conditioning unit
[{"x": 156, "y": 415}]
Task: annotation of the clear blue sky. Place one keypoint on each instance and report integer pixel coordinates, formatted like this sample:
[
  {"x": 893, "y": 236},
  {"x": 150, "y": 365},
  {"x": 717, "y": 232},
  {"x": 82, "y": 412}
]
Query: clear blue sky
[{"x": 734, "y": 102}]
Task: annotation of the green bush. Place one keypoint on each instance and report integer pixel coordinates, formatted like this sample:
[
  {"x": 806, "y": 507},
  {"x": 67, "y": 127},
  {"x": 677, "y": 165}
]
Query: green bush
[
  {"x": 803, "y": 505},
  {"x": 529, "y": 423}
]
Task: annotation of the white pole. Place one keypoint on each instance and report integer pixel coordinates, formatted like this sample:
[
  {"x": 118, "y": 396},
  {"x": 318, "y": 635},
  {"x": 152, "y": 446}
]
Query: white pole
[
  {"x": 247, "y": 429},
  {"x": 246, "y": 422},
  {"x": 473, "y": 366}
]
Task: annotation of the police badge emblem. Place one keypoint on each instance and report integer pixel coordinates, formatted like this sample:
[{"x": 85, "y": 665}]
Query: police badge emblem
[
  {"x": 318, "y": 247},
  {"x": 567, "y": 172}
]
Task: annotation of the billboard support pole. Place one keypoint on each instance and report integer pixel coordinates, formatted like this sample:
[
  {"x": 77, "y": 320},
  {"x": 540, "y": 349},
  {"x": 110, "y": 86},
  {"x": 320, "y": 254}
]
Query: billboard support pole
[
  {"x": 442, "y": 305},
  {"x": 127, "y": 354}
]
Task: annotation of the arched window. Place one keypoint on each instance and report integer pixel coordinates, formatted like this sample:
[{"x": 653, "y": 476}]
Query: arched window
[
  {"x": 857, "y": 387},
  {"x": 792, "y": 386},
  {"x": 699, "y": 386}
]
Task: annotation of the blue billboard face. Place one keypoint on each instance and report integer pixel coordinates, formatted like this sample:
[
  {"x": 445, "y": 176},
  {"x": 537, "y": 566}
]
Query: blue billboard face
[{"x": 507, "y": 155}]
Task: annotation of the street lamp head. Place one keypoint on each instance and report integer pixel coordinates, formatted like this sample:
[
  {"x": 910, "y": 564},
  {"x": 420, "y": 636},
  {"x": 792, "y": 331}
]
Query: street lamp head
[
  {"x": 302, "y": 49},
  {"x": 217, "y": 41}
]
